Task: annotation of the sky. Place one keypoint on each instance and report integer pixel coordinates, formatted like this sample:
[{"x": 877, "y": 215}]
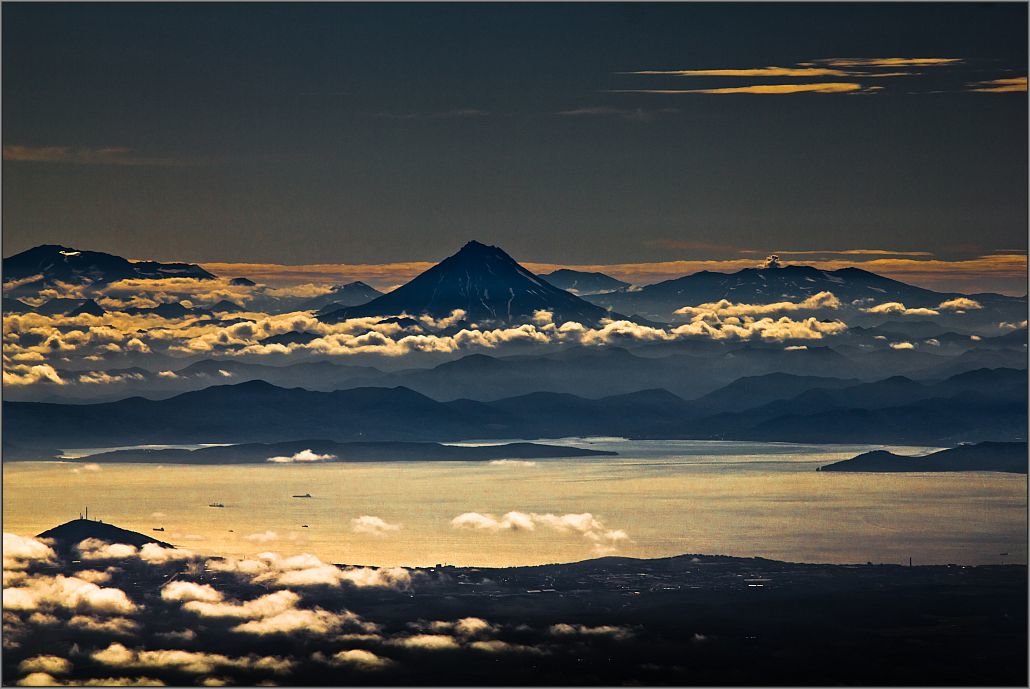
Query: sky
[{"x": 664, "y": 135}]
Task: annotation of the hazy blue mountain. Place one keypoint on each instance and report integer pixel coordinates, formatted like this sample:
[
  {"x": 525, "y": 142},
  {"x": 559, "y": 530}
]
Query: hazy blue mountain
[
  {"x": 986, "y": 456},
  {"x": 984, "y": 405},
  {"x": 936, "y": 421},
  {"x": 247, "y": 412},
  {"x": 972, "y": 360},
  {"x": 1003, "y": 388},
  {"x": 341, "y": 296},
  {"x": 755, "y": 391},
  {"x": 582, "y": 282},
  {"x": 484, "y": 282}
]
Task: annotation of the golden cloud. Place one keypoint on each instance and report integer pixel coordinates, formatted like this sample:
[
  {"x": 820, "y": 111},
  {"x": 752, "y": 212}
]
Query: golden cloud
[
  {"x": 889, "y": 61},
  {"x": 110, "y": 155},
  {"x": 762, "y": 89},
  {"x": 1010, "y": 85},
  {"x": 750, "y": 72}
]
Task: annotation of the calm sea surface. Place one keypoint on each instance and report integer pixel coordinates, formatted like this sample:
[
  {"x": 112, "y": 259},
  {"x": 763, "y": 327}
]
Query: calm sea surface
[{"x": 669, "y": 497}]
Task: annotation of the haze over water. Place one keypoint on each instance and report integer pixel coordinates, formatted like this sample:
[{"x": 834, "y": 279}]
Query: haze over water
[{"x": 670, "y": 497}]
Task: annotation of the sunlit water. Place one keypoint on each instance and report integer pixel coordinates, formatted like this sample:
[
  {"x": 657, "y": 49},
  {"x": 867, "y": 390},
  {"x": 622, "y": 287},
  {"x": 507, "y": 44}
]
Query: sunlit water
[{"x": 670, "y": 497}]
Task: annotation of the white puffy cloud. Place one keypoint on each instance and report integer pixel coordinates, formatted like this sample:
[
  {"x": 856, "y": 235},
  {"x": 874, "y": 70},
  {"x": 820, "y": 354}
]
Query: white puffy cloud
[
  {"x": 498, "y": 646},
  {"x": 585, "y": 524},
  {"x": 118, "y": 626},
  {"x": 766, "y": 329},
  {"x": 264, "y": 606},
  {"x": 456, "y": 316},
  {"x": 615, "y": 632},
  {"x": 72, "y": 593},
  {"x": 301, "y": 457},
  {"x": 960, "y": 304},
  {"x": 50, "y": 664},
  {"x": 371, "y": 525},
  {"x": 193, "y": 662},
  {"x": 273, "y": 613},
  {"x": 188, "y": 591},
  {"x": 724, "y": 307},
  {"x": 466, "y": 627},
  {"x": 307, "y": 570},
  {"x": 896, "y": 308},
  {"x": 94, "y": 576},
  {"x": 43, "y": 679},
  {"x": 316, "y": 621},
  {"x": 21, "y": 551},
  {"x": 902, "y": 345},
  {"x": 92, "y": 338},
  {"x": 155, "y": 554},
  {"x": 31, "y": 375},
  {"x": 39, "y": 679},
  {"x": 360, "y": 659},
  {"x": 95, "y": 549},
  {"x": 427, "y": 642},
  {"x": 104, "y": 378}
]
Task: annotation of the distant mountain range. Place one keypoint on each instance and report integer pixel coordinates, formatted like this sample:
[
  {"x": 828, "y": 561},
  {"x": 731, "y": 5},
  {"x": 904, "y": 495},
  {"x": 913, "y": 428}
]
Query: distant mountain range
[
  {"x": 780, "y": 284},
  {"x": 580, "y": 282},
  {"x": 493, "y": 289},
  {"x": 48, "y": 264},
  {"x": 1006, "y": 457},
  {"x": 484, "y": 282},
  {"x": 975, "y": 406}
]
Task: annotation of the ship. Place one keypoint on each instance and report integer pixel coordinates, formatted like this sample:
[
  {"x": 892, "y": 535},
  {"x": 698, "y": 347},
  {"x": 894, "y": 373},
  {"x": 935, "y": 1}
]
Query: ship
[
  {"x": 159, "y": 528},
  {"x": 216, "y": 504},
  {"x": 306, "y": 495}
]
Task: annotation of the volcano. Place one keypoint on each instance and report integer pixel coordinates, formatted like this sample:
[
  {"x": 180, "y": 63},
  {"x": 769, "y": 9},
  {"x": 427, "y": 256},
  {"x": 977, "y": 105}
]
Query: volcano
[{"x": 484, "y": 282}]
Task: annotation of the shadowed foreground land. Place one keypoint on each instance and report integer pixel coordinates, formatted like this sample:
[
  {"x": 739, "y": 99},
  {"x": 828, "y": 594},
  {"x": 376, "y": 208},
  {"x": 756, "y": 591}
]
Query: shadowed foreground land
[{"x": 688, "y": 620}]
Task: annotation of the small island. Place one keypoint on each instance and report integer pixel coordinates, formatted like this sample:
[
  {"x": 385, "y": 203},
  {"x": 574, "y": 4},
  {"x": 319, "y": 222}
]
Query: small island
[{"x": 986, "y": 456}]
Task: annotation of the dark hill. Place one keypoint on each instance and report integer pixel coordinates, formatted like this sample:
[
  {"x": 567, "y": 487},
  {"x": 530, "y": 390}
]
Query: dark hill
[
  {"x": 988, "y": 456},
  {"x": 53, "y": 263},
  {"x": 72, "y": 533}
]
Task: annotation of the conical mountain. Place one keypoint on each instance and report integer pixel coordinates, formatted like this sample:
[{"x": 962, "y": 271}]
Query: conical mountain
[{"x": 484, "y": 282}]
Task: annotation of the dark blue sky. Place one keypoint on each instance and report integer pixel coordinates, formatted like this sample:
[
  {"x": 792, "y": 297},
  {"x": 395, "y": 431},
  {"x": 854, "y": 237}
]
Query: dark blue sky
[{"x": 368, "y": 133}]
